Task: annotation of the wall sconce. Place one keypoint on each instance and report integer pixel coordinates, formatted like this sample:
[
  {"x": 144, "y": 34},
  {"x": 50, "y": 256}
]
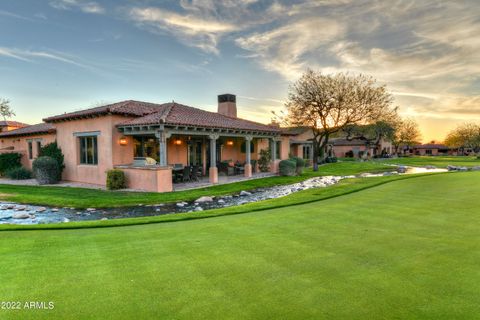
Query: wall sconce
[
  {"x": 123, "y": 141},
  {"x": 229, "y": 142},
  {"x": 177, "y": 141}
]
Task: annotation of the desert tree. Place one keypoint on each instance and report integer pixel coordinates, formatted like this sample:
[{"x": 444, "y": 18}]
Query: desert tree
[
  {"x": 465, "y": 136},
  {"x": 407, "y": 134},
  {"x": 329, "y": 103},
  {"x": 5, "y": 109}
]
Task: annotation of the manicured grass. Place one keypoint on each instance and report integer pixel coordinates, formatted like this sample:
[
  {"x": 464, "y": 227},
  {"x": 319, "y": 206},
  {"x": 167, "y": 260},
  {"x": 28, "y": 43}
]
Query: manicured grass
[
  {"x": 84, "y": 198},
  {"x": 441, "y": 162},
  {"x": 408, "y": 249}
]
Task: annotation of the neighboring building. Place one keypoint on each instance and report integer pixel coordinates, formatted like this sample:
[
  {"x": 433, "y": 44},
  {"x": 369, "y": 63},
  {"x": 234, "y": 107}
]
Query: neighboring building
[
  {"x": 433, "y": 149},
  {"x": 11, "y": 125},
  {"x": 96, "y": 140},
  {"x": 301, "y": 145}
]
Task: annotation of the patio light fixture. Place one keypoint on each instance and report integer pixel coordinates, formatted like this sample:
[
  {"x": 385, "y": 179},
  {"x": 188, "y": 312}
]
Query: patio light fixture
[
  {"x": 177, "y": 141},
  {"x": 123, "y": 141},
  {"x": 229, "y": 142}
]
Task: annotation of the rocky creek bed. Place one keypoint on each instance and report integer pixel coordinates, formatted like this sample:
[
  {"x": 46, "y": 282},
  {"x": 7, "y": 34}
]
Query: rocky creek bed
[{"x": 12, "y": 213}]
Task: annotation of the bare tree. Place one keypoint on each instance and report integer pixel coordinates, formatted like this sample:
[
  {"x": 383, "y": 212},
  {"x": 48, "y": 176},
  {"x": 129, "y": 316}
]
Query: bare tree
[
  {"x": 5, "y": 110},
  {"x": 330, "y": 103},
  {"x": 407, "y": 134},
  {"x": 465, "y": 136}
]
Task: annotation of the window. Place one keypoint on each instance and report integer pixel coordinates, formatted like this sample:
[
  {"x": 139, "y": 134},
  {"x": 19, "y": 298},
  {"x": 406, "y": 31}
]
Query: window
[
  {"x": 88, "y": 150},
  {"x": 30, "y": 150},
  {"x": 278, "y": 145},
  {"x": 428, "y": 151},
  {"x": 39, "y": 147},
  {"x": 306, "y": 152},
  {"x": 146, "y": 146}
]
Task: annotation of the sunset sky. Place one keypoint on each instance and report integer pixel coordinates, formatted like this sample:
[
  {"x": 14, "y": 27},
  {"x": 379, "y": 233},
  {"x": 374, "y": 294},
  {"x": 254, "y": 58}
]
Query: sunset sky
[{"x": 64, "y": 55}]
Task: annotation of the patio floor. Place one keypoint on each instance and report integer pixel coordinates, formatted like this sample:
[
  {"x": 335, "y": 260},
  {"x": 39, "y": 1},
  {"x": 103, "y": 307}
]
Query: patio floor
[{"x": 222, "y": 179}]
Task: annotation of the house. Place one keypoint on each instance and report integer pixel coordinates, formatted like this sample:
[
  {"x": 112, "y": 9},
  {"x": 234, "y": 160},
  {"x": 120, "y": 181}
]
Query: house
[
  {"x": 11, "y": 125},
  {"x": 117, "y": 135},
  {"x": 301, "y": 144},
  {"x": 433, "y": 149}
]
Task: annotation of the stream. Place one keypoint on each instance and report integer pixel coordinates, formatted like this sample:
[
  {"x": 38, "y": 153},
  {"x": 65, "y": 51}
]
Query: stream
[{"x": 12, "y": 213}]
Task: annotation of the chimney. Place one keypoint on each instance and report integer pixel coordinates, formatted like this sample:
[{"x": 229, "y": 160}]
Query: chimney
[{"x": 227, "y": 105}]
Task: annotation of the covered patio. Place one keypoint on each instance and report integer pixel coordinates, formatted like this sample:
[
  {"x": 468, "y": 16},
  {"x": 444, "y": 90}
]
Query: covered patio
[{"x": 169, "y": 156}]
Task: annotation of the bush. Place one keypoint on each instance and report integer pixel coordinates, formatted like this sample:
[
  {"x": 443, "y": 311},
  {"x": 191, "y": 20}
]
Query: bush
[
  {"x": 331, "y": 159},
  {"x": 300, "y": 164},
  {"x": 52, "y": 150},
  {"x": 19, "y": 173},
  {"x": 264, "y": 160},
  {"x": 116, "y": 180},
  {"x": 46, "y": 170},
  {"x": 288, "y": 168},
  {"x": 9, "y": 161}
]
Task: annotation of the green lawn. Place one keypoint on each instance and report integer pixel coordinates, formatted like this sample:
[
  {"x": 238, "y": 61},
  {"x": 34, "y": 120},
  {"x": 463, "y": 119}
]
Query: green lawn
[
  {"x": 441, "y": 162},
  {"x": 407, "y": 249},
  {"x": 84, "y": 198}
]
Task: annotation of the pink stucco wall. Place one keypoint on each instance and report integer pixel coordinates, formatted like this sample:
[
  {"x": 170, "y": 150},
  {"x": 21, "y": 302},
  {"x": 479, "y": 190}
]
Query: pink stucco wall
[
  {"x": 110, "y": 152},
  {"x": 152, "y": 179},
  {"x": 20, "y": 145}
]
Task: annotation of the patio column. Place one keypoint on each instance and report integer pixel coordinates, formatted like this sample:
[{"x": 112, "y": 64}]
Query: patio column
[
  {"x": 213, "y": 172},
  {"x": 248, "y": 162},
  {"x": 162, "y": 138},
  {"x": 274, "y": 163}
]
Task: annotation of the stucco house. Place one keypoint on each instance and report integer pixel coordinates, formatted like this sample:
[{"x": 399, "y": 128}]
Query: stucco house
[
  {"x": 7, "y": 125},
  {"x": 123, "y": 134},
  {"x": 301, "y": 144}
]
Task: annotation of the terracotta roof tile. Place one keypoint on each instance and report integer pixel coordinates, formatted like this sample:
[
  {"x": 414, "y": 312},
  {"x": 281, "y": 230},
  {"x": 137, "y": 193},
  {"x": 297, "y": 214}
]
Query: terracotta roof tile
[
  {"x": 127, "y": 108},
  {"x": 40, "y": 128},
  {"x": 9, "y": 123},
  {"x": 179, "y": 114}
]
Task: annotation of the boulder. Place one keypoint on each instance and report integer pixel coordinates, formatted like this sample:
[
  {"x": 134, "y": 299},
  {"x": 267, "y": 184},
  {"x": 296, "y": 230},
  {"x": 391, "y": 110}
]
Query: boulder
[
  {"x": 91, "y": 209},
  {"x": 452, "y": 168},
  {"x": 41, "y": 209},
  {"x": 221, "y": 201},
  {"x": 204, "y": 199},
  {"x": 103, "y": 219},
  {"x": 180, "y": 204},
  {"x": 10, "y": 206},
  {"x": 66, "y": 220},
  {"x": 245, "y": 193},
  {"x": 20, "y": 208},
  {"x": 476, "y": 168},
  {"x": 462, "y": 169},
  {"x": 54, "y": 210},
  {"x": 401, "y": 169},
  {"x": 21, "y": 216},
  {"x": 198, "y": 209}
]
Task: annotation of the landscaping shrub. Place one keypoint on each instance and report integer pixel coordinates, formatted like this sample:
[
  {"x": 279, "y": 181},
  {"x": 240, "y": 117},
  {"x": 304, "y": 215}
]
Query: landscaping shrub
[
  {"x": 331, "y": 159},
  {"x": 19, "y": 173},
  {"x": 288, "y": 168},
  {"x": 9, "y": 161},
  {"x": 300, "y": 164},
  {"x": 53, "y": 150},
  {"x": 116, "y": 180},
  {"x": 46, "y": 170},
  {"x": 264, "y": 161}
]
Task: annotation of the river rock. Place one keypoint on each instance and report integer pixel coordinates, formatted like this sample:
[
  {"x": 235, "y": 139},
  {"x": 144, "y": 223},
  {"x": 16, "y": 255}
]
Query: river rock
[
  {"x": 91, "y": 209},
  {"x": 430, "y": 167},
  {"x": 245, "y": 193},
  {"x": 180, "y": 204},
  {"x": 204, "y": 199},
  {"x": 20, "y": 208},
  {"x": 41, "y": 209},
  {"x": 198, "y": 209},
  {"x": 66, "y": 220},
  {"x": 221, "y": 201},
  {"x": 401, "y": 169},
  {"x": 3, "y": 208},
  {"x": 462, "y": 169},
  {"x": 476, "y": 168},
  {"x": 452, "y": 168},
  {"x": 54, "y": 210},
  {"x": 21, "y": 216},
  {"x": 103, "y": 219}
]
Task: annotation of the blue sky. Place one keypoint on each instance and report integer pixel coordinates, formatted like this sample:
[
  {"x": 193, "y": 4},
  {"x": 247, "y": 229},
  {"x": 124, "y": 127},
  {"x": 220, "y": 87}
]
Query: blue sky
[{"x": 64, "y": 55}]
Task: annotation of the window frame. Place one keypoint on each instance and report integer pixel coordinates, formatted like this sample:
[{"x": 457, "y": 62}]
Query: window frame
[{"x": 87, "y": 143}]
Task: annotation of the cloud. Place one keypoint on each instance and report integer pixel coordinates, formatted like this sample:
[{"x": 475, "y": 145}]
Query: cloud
[
  {"x": 283, "y": 50},
  {"x": 84, "y": 6},
  {"x": 31, "y": 56}
]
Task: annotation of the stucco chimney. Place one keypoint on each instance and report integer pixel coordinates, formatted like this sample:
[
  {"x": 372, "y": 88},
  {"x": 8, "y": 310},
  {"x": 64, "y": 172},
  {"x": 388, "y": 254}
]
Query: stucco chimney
[{"x": 227, "y": 105}]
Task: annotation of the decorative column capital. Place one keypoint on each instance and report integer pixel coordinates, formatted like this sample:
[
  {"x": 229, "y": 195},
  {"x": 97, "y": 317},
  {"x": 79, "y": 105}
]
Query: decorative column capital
[
  {"x": 248, "y": 138},
  {"x": 213, "y": 136}
]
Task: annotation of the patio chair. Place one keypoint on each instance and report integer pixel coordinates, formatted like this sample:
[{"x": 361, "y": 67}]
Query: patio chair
[
  {"x": 254, "y": 165},
  {"x": 186, "y": 174},
  {"x": 195, "y": 173}
]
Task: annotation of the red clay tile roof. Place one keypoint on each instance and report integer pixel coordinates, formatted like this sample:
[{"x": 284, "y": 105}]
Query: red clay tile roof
[
  {"x": 294, "y": 131},
  {"x": 9, "y": 123},
  {"x": 126, "y": 108},
  {"x": 40, "y": 128},
  {"x": 179, "y": 114}
]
